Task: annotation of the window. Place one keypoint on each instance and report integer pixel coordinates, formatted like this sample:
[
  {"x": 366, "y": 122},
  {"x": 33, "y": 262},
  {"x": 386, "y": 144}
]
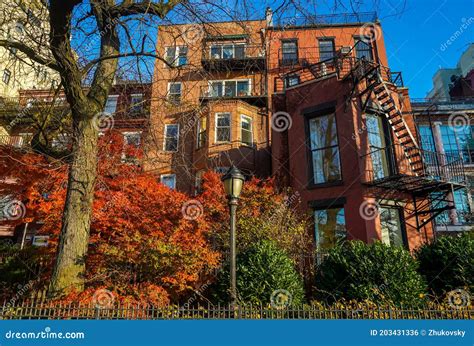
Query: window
[
  {"x": 62, "y": 141},
  {"x": 326, "y": 49},
  {"x": 223, "y": 127},
  {"x": 378, "y": 148},
  {"x": 174, "y": 92},
  {"x": 246, "y": 135},
  {"x": 111, "y": 104},
  {"x": 289, "y": 52},
  {"x": 329, "y": 229},
  {"x": 292, "y": 80},
  {"x": 201, "y": 132},
  {"x": 363, "y": 50},
  {"x": 168, "y": 180},
  {"x": 391, "y": 226},
  {"x": 6, "y": 76},
  {"x": 132, "y": 138},
  {"x": 177, "y": 56},
  {"x": 228, "y": 51},
  {"x": 229, "y": 88},
  {"x": 198, "y": 182},
  {"x": 171, "y": 137},
  {"x": 136, "y": 103},
  {"x": 324, "y": 149}
]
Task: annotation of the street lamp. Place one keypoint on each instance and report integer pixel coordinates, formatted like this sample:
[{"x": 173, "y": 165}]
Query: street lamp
[{"x": 233, "y": 181}]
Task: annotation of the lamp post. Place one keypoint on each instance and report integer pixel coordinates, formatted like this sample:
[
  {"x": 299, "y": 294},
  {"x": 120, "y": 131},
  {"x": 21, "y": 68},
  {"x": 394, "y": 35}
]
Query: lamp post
[{"x": 233, "y": 181}]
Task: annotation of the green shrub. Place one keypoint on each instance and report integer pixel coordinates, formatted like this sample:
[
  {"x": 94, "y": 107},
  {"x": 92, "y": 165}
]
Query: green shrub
[
  {"x": 375, "y": 272},
  {"x": 261, "y": 270},
  {"x": 448, "y": 263}
]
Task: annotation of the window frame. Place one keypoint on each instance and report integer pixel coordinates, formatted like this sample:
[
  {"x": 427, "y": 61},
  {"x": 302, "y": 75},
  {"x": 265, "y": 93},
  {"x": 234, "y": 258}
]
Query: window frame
[
  {"x": 359, "y": 40},
  {"x": 221, "y": 54},
  {"x": 216, "y": 127},
  {"x": 162, "y": 176},
  {"x": 333, "y": 52},
  {"x": 250, "y": 121},
  {"x": 165, "y": 138},
  {"x": 309, "y": 115},
  {"x": 170, "y": 96},
  {"x": 401, "y": 222},
  {"x": 7, "y": 74},
  {"x": 201, "y": 133},
  {"x": 140, "y": 105},
  {"x": 116, "y": 97},
  {"x": 177, "y": 50},
  {"x": 328, "y": 206},
  {"x": 224, "y": 81},
  {"x": 283, "y": 61}
]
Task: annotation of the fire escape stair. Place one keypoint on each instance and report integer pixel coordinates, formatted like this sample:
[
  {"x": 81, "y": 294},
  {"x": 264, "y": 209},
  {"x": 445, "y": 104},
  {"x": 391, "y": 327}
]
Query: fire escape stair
[{"x": 399, "y": 126}]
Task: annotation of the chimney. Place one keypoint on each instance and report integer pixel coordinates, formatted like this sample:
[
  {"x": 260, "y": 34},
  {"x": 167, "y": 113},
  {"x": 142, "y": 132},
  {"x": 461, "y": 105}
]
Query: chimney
[{"x": 269, "y": 16}]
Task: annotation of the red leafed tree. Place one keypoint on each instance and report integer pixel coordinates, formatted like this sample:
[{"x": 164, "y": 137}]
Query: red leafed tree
[{"x": 141, "y": 246}]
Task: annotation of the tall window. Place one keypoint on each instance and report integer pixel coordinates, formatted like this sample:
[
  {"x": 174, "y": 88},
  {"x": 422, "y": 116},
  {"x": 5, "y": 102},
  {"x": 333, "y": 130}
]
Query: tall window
[
  {"x": 326, "y": 49},
  {"x": 6, "y": 76},
  {"x": 378, "y": 148},
  {"x": 329, "y": 228},
  {"x": 168, "y": 180},
  {"x": 228, "y": 51},
  {"x": 201, "y": 132},
  {"x": 324, "y": 149},
  {"x": 391, "y": 226},
  {"x": 111, "y": 105},
  {"x": 363, "y": 50},
  {"x": 174, "y": 92},
  {"x": 136, "y": 103},
  {"x": 229, "y": 88},
  {"x": 289, "y": 52},
  {"x": 246, "y": 134},
  {"x": 223, "y": 127},
  {"x": 177, "y": 56},
  {"x": 171, "y": 137}
]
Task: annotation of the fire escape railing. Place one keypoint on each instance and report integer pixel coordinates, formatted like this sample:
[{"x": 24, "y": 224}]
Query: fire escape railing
[{"x": 393, "y": 161}]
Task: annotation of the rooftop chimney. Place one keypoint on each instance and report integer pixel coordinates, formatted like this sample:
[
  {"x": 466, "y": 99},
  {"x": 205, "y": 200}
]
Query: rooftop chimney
[{"x": 269, "y": 16}]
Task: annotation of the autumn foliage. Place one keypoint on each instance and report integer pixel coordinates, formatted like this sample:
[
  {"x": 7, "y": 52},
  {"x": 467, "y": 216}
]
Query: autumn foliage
[{"x": 148, "y": 243}]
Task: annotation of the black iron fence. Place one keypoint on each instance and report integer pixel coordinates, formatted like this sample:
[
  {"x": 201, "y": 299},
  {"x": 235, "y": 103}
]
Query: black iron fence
[{"x": 48, "y": 310}]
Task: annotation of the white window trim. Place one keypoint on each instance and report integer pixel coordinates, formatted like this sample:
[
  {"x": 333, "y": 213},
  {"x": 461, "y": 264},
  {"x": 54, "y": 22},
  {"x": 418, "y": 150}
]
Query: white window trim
[
  {"x": 243, "y": 116},
  {"x": 167, "y": 176},
  {"x": 164, "y": 139},
  {"x": 230, "y": 127},
  {"x": 229, "y": 80},
  {"x": 116, "y": 97},
  {"x": 177, "y": 50},
  {"x": 222, "y": 49},
  {"x": 180, "y": 89}
]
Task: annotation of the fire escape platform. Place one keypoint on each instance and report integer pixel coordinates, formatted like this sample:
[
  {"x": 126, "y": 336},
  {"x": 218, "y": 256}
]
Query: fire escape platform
[{"x": 416, "y": 185}]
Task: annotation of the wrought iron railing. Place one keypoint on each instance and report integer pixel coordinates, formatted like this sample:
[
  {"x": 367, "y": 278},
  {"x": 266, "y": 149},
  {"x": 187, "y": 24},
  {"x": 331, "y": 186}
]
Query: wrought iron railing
[
  {"x": 329, "y": 19},
  {"x": 393, "y": 160}
]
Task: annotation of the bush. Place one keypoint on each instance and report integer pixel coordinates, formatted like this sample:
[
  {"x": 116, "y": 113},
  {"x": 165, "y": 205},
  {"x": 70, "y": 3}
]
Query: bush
[
  {"x": 448, "y": 263},
  {"x": 261, "y": 270},
  {"x": 375, "y": 272}
]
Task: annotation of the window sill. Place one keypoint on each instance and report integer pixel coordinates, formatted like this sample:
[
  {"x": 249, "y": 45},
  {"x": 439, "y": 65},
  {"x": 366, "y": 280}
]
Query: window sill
[{"x": 311, "y": 186}]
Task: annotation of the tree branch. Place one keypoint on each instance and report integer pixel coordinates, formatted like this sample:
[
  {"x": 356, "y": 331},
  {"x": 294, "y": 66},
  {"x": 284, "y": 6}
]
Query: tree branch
[
  {"x": 30, "y": 53},
  {"x": 128, "y": 8}
]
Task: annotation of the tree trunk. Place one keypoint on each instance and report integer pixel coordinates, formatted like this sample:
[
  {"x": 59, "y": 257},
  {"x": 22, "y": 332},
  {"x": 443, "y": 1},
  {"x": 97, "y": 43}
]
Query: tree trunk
[{"x": 69, "y": 269}]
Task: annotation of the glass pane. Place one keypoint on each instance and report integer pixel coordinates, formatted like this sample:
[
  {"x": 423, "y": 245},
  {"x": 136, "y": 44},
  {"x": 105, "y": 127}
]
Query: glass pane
[
  {"x": 230, "y": 89},
  {"x": 363, "y": 50},
  {"x": 330, "y": 227},
  {"x": 223, "y": 134},
  {"x": 171, "y": 130},
  {"x": 170, "y": 54},
  {"x": 243, "y": 88},
  {"x": 216, "y": 89},
  {"x": 390, "y": 224},
  {"x": 239, "y": 51},
  {"x": 326, "y": 49},
  {"x": 246, "y": 123},
  {"x": 216, "y": 52},
  {"x": 378, "y": 148},
  {"x": 223, "y": 120},
  {"x": 111, "y": 105},
  {"x": 175, "y": 88},
  {"x": 227, "y": 52},
  {"x": 323, "y": 131},
  {"x": 169, "y": 181},
  {"x": 326, "y": 165}
]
